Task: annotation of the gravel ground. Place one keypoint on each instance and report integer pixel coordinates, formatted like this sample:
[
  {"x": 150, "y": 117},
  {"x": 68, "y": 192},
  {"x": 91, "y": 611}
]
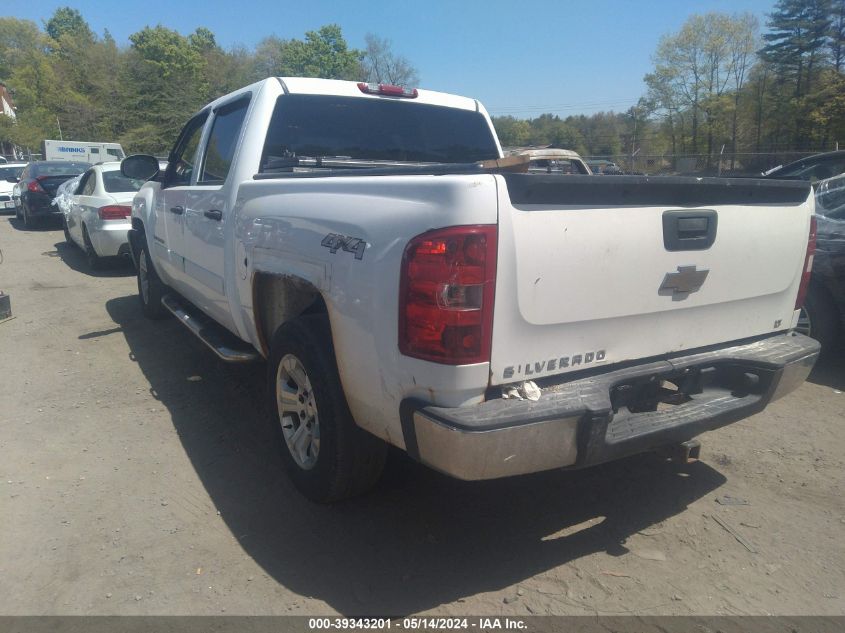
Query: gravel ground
[{"x": 138, "y": 476}]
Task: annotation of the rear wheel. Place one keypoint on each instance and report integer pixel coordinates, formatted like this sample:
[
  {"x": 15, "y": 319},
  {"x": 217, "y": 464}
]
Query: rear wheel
[
  {"x": 819, "y": 319},
  {"x": 66, "y": 231},
  {"x": 327, "y": 456},
  {"x": 95, "y": 262},
  {"x": 28, "y": 221}
]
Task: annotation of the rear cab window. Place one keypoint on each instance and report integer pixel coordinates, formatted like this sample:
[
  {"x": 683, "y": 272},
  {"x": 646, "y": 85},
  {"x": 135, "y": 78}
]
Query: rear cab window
[
  {"x": 316, "y": 126},
  {"x": 115, "y": 182}
]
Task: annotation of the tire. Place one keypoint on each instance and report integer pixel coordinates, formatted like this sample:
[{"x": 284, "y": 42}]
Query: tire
[
  {"x": 18, "y": 212},
  {"x": 150, "y": 287},
  {"x": 345, "y": 460},
  {"x": 820, "y": 319},
  {"x": 66, "y": 230},
  {"x": 95, "y": 262},
  {"x": 28, "y": 221}
]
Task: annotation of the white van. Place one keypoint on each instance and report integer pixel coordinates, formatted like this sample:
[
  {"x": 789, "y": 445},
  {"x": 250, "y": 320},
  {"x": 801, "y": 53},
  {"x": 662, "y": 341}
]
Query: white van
[{"x": 82, "y": 151}]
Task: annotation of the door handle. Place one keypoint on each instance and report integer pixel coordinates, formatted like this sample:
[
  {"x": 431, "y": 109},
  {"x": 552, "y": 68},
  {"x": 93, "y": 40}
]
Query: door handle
[
  {"x": 177, "y": 210},
  {"x": 213, "y": 214}
]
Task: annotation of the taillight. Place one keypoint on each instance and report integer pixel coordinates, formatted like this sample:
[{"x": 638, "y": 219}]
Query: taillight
[
  {"x": 446, "y": 295},
  {"x": 808, "y": 265},
  {"x": 35, "y": 187},
  {"x": 388, "y": 90},
  {"x": 114, "y": 212}
]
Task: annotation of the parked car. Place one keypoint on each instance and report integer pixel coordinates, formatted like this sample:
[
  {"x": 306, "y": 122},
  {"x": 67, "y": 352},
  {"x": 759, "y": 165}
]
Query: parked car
[
  {"x": 604, "y": 167},
  {"x": 96, "y": 215},
  {"x": 10, "y": 174},
  {"x": 299, "y": 220},
  {"x": 555, "y": 161},
  {"x": 813, "y": 168},
  {"x": 824, "y": 309},
  {"x": 38, "y": 184}
]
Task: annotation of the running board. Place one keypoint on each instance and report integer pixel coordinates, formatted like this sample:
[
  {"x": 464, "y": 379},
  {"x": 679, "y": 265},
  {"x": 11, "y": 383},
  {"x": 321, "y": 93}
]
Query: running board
[{"x": 222, "y": 342}]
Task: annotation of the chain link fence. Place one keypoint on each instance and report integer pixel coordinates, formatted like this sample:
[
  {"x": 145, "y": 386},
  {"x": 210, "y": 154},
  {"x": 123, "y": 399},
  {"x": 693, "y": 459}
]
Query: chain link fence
[{"x": 727, "y": 164}]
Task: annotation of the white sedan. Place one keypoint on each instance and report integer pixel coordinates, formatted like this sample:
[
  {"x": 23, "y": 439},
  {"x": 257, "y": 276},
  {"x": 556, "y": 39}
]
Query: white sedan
[
  {"x": 96, "y": 214},
  {"x": 9, "y": 175}
]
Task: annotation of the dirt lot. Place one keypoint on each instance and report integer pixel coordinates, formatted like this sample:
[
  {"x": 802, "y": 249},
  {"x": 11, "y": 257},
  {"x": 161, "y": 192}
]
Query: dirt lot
[{"x": 129, "y": 487}]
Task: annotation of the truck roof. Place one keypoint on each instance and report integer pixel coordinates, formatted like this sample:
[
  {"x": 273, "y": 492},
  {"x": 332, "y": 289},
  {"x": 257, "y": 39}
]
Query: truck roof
[
  {"x": 307, "y": 85},
  {"x": 314, "y": 86}
]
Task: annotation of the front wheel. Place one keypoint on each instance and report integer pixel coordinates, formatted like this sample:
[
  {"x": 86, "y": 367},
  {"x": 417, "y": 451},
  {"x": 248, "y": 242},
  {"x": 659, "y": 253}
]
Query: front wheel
[
  {"x": 150, "y": 287},
  {"x": 327, "y": 456}
]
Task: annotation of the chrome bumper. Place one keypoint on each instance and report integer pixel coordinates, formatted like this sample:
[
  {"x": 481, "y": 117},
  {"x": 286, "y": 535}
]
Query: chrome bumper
[{"x": 580, "y": 423}]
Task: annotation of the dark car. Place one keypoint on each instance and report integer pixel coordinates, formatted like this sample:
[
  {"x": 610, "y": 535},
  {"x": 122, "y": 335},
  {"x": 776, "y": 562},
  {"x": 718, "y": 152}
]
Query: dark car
[
  {"x": 824, "y": 307},
  {"x": 813, "y": 168},
  {"x": 38, "y": 185}
]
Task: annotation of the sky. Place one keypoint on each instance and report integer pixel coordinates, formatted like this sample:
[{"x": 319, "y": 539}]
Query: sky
[{"x": 521, "y": 58}]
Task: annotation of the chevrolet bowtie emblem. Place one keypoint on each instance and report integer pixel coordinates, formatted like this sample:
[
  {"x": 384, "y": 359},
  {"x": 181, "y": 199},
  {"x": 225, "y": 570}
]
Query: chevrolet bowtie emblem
[{"x": 682, "y": 283}]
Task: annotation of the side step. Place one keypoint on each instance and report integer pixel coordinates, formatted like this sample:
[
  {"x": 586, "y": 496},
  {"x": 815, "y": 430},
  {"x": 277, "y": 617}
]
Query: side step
[{"x": 222, "y": 342}]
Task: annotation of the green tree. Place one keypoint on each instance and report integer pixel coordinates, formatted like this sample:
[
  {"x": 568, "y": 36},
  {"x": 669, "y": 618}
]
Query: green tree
[
  {"x": 837, "y": 34},
  {"x": 68, "y": 21},
  {"x": 162, "y": 84},
  {"x": 798, "y": 33},
  {"x": 166, "y": 52},
  {"x": 323, "y": 53},
  {"x": 512, "y": 132}
]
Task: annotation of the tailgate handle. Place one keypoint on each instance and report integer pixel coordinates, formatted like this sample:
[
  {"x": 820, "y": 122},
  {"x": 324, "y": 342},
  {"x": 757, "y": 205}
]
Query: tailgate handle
[{"x": 689, "y": 230}]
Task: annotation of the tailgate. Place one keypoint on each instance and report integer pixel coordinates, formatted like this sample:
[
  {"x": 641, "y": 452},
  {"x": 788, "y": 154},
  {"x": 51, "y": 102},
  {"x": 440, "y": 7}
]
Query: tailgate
[{"x": 594, "y": 271}]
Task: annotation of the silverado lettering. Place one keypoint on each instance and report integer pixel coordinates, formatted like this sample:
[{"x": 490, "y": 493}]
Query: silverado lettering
[{"x": 562, "y": 362}]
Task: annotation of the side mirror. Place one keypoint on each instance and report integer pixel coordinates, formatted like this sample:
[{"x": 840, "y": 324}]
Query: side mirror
[
  {"x": 13, "y": 180},
  {"x": 139, "y": 167}
]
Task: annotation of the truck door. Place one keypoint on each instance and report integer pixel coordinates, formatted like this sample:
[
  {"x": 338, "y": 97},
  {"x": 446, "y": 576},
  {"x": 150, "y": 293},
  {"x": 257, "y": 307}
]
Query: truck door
[
  {"x": 171, "y": 202},
  {"x": 208, "y": 211}
]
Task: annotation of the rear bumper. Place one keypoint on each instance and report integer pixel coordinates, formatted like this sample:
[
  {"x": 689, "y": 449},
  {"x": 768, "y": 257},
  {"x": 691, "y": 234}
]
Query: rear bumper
[
  {"x": 582, "y": 423},
  {"x": 40, "y": 204},
  {"x": 110, "y": 238}
]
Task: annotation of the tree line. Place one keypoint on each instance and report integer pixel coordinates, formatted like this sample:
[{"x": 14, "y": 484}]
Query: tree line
[
  {"x": 717, "y": 86},
  {"x": 65, "y": 79}
]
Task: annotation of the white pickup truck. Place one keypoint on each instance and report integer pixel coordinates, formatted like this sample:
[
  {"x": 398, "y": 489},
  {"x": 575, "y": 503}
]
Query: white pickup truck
[{"x": 356, "y": 237}]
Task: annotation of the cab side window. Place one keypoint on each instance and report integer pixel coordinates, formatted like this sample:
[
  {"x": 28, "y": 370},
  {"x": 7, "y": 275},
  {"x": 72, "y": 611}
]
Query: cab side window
[
  {"x": 180, "y": 165},
  {"x": 225, "y": 132}
]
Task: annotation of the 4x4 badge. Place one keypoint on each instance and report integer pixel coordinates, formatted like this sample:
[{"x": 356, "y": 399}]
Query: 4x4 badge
[{"x": 681, "y": 284}]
